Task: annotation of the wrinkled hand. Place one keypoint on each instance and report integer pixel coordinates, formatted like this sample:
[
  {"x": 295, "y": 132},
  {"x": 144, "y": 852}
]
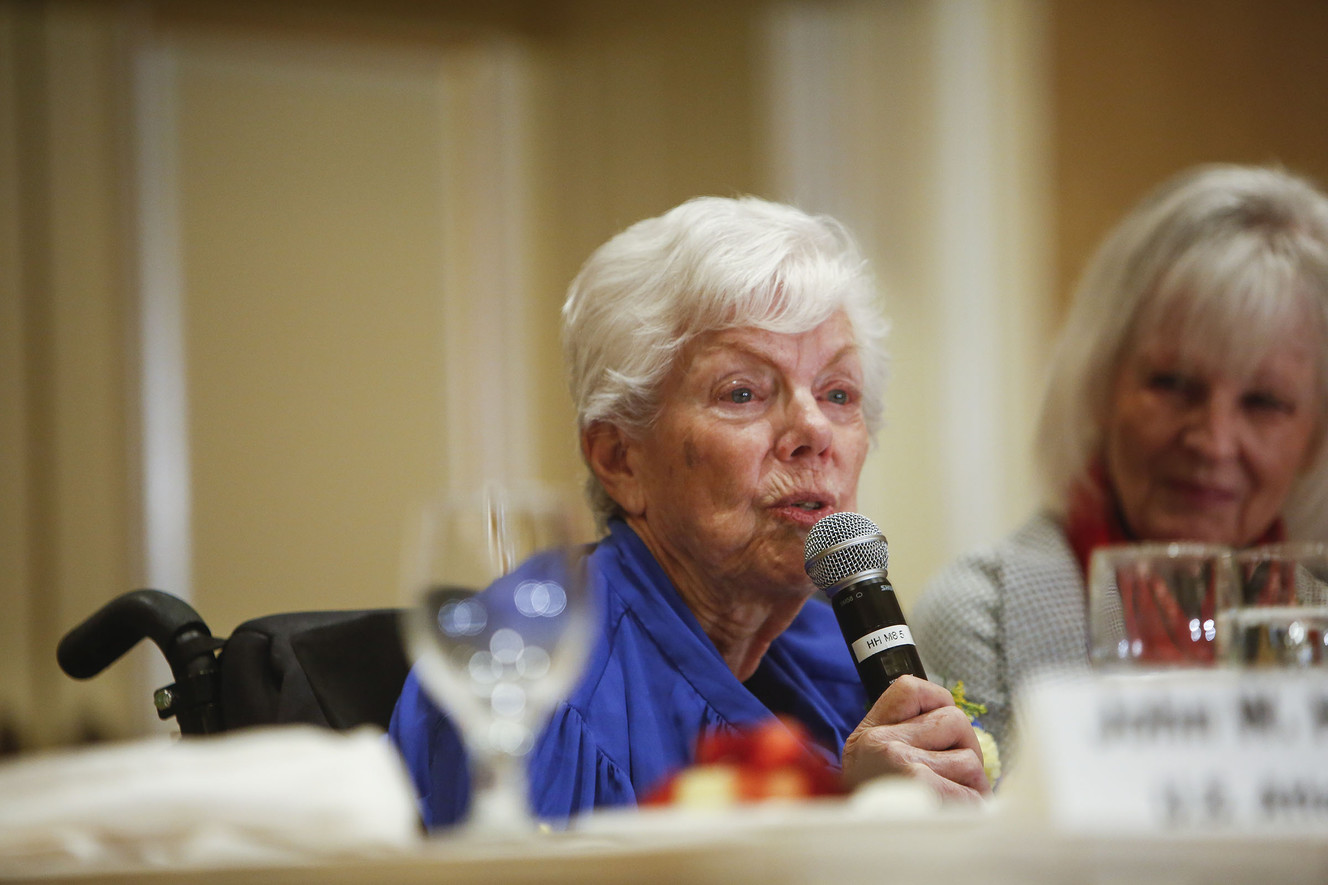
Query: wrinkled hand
[{"x": 915, "y": 729}]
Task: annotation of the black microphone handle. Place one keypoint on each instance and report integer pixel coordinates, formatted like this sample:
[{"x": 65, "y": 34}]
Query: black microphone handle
[{"x": 878, "y": 638}]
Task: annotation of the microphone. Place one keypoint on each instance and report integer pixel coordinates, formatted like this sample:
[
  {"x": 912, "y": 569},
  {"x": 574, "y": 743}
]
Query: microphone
[{"x": 846, "y": 556}]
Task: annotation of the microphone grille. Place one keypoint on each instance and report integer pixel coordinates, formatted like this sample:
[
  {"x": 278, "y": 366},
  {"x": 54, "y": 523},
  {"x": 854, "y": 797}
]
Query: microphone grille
[{"x": 865, "y": 548}]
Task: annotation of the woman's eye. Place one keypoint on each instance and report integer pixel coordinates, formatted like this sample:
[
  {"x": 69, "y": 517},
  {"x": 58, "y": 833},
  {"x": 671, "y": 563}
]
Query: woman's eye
[
  {"x": 839, "y": 397},
  {"x": 1166, "y": 381},
  {"x": 1187, "y": 387},
  {"x": 1263, "y": 401},
  {"x": 741, "y": 389}
]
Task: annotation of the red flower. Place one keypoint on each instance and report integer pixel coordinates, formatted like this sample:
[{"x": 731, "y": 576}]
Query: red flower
[{"x": 773, "y": 760}]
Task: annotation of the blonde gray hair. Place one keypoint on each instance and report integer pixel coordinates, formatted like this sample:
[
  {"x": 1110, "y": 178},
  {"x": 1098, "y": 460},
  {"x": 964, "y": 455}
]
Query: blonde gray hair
[{"x": 1223, "y": 257}]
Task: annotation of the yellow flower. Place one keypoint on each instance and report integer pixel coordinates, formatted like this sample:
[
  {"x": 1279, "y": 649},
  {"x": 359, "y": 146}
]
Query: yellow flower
[{"x": 991, "y": 753}]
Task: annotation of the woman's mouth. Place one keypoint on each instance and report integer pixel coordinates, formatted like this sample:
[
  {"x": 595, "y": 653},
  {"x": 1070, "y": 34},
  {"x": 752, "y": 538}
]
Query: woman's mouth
[
  {"x": 805, "y": 511},
  {"x": 1201, "y": 494}
]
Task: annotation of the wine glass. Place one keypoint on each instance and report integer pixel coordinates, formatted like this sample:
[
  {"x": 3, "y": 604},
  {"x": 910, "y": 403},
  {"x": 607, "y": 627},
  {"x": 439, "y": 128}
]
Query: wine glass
[
  {"x": 498, "y": 620},
  {"x": 1156, "y": 605},
  {"x": 1279, "y": 617}
]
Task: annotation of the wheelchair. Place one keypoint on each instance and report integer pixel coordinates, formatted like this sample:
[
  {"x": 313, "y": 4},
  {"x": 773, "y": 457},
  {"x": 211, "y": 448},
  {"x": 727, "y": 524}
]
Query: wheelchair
[{"x": 336, "y": 669}]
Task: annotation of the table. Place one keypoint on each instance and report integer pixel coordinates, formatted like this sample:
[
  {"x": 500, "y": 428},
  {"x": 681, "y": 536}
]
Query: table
[{"x": 815, "y": 842}]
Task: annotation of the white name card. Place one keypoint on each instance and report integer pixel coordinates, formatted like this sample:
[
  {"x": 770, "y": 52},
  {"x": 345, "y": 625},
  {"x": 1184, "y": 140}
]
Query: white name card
[{"x": 1184, "y": 750}]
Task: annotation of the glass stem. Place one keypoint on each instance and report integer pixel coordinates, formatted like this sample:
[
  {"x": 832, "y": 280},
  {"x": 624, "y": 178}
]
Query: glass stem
[{"x": 499, "y": 801}]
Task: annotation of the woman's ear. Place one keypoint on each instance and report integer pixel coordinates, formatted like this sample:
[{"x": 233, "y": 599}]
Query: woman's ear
[{"x": 605, "y": 448}]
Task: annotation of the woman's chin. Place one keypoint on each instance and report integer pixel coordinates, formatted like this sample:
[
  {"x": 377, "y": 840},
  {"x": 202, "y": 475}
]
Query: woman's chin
[{"x": 1193, "y": 530}]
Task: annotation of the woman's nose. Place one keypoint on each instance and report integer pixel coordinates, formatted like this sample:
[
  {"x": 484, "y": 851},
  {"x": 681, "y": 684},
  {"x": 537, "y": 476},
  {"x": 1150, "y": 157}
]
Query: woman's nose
[
  {"x": 807, "y": 430},
  {"x": 1214, "y": 428}
]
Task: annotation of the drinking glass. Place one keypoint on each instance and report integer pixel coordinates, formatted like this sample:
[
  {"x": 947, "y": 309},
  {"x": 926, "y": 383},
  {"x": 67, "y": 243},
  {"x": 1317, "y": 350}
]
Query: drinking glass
[
  {"x": 498, "y": 619},
  {"x": 1279, "y": 615},
  {"x": 1156, "y": 605}
]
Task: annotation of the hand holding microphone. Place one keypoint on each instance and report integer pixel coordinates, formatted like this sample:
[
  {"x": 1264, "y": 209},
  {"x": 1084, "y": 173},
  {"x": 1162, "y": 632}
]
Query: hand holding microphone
[
  {"x": 846, "y": 556},
  {"x": 915, "y": 729}
]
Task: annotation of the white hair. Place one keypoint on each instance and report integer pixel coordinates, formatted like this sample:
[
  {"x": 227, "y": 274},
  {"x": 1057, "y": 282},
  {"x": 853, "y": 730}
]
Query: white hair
[
  {"x": 1225, "y": 259},
  {"x": 710, "y": 264}
]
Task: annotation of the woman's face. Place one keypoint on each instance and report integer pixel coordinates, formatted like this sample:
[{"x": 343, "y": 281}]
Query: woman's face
[
  {"x": 761, "y": 435},
  {"x": 1196, "y": 453}
]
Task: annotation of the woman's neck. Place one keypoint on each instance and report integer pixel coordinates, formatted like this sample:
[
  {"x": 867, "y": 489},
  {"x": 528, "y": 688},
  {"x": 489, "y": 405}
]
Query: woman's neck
[
  {"x": 741, "y": 620},
  {"x": 741, "y": 632}
]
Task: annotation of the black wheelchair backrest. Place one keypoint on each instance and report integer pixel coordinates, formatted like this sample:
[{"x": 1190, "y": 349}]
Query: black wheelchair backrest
[{"x": 337, "y": 669}]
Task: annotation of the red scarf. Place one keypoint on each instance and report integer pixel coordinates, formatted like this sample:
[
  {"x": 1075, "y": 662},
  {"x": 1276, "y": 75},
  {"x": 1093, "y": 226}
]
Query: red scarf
[{"x": 1094, "y": 520}]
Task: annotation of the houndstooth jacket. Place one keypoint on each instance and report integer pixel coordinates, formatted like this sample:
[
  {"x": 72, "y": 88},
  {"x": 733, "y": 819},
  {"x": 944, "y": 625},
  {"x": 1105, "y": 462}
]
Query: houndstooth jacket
[{"x": 999, "y": 615}]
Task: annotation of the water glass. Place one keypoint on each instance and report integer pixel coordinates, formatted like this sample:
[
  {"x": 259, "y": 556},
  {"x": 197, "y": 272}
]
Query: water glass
[
  {"x": 498, "y": 619},
  {"x": 1279, "y": 614},
  {"x": 1156, "y": 605}
]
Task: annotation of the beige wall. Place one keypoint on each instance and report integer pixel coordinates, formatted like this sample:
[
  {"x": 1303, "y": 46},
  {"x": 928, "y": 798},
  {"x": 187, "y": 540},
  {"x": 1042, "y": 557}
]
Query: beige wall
[
  {"x": 1153, "y": 87},
  {"x": 65, "y": 540},
  {"x": 310, "y": 219},
  {"x": 338, "y": 236}
]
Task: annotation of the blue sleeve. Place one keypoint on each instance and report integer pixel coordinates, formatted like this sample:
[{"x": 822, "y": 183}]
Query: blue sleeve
[
  {"x": 570, "y": 774},
  {"x": 433, "y": 754}
]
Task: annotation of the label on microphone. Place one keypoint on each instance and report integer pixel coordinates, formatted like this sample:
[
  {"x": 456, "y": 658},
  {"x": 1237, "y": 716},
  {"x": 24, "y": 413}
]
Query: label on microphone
[{"x": 879, "y": 640}]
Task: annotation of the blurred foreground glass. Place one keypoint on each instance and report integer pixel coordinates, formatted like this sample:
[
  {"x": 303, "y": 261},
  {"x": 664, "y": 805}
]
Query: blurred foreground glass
[
  {"x": 1279, "y": 615},
  {"x": 1156, "y": 605},
  {"x": 499, "y": 623}
]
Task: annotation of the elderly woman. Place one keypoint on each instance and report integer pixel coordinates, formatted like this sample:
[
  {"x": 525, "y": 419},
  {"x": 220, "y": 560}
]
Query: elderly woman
[
  {"x": 1187, "y": 401},
  {"x": 726, "y": 369}
]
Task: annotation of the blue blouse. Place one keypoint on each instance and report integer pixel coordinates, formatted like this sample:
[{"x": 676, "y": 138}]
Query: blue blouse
[{"x": 653, "y": 685}]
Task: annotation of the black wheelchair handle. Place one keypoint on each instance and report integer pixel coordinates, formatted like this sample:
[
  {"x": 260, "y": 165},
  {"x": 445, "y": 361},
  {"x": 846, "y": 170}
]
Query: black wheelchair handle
[{"x": 117, "y": 626}]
